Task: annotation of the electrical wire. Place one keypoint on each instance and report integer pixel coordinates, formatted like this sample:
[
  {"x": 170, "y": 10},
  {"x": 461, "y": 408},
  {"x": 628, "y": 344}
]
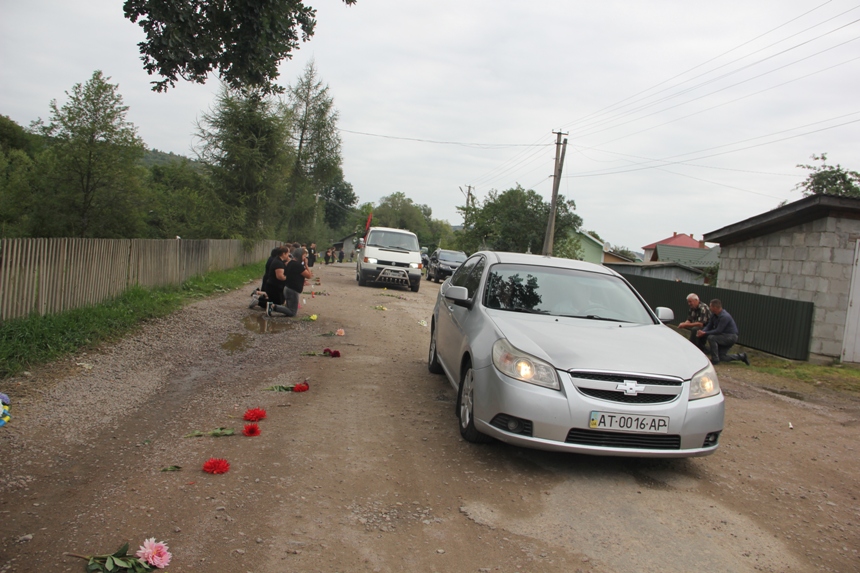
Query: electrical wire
[{"x": 460, "y": 143}]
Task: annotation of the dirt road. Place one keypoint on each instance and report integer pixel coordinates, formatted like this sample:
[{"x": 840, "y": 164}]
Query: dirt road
[{"x": 367, "y": 472}]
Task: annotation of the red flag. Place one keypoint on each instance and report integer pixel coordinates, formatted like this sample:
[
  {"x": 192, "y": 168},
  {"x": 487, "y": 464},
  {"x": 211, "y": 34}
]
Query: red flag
[{"x": 367, "y": 226}]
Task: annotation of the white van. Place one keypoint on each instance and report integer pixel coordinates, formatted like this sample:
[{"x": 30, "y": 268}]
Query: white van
[{"x": 389, "y": 256}]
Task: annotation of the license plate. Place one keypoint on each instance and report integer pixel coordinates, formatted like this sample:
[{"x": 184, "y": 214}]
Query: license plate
[{"x": 629, "y": 423}]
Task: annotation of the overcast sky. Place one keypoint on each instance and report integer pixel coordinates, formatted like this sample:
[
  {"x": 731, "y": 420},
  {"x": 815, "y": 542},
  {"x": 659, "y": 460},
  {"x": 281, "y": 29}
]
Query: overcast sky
[{"x": 681, "y": 116}]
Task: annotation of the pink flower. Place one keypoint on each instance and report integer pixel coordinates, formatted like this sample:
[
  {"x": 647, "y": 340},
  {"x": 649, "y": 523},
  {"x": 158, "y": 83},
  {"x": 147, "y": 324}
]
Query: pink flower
[{"x": 154, "y": 553}]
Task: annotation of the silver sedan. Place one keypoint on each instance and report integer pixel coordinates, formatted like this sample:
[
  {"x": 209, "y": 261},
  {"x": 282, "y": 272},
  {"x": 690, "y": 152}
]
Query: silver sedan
[{"x": 564, "y": 355}]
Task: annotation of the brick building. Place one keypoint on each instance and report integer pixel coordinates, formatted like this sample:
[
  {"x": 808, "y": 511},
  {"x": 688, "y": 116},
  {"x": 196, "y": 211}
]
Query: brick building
[{"x": 805, "y": 251}]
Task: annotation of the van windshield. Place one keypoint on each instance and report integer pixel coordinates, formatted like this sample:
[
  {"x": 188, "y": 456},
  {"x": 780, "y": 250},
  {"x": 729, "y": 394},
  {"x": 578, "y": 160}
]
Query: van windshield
[{"x": 393, "y": 240}]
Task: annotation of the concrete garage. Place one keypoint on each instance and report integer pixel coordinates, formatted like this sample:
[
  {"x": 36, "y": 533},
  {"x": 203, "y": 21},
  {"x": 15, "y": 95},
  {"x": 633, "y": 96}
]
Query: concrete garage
[{"x": 806, "y": 250}]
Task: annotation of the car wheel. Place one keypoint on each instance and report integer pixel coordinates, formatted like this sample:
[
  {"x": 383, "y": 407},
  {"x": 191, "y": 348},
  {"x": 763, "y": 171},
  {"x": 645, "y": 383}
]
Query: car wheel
[
  {"x": 436, "y": 276},
  {"x": 466, "y": 408},
  {"x": 416, "y": 286},
  {"x": 361, "y": 280},
  {"x": 433, "y": 359}
]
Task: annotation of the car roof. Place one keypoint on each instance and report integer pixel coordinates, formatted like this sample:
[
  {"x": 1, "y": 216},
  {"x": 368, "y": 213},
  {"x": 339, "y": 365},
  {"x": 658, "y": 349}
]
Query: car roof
[
  {"x": 391, "y": 229},
  {"x": 543, "y": 261}
]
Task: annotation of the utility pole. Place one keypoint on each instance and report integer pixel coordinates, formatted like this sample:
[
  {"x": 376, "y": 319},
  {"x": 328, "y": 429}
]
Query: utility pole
[
  {"x": 560, "y": 149},
  {"x": 469, "y": 198}
]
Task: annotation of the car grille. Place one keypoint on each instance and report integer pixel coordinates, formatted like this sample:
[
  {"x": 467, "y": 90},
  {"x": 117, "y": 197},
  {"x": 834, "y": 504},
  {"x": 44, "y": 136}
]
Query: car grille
[
  {"x": 621, "y": 378},
  {"x": 624, "y": 398},
  {"x": 392, "y": 264},
  {"x": 604, "y": 386},
  {"x": 623, "y": 440}
]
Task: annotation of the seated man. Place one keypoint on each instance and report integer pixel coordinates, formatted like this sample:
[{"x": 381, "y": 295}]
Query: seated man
[
  {"x": 722, "y": 333},
  {"x": 697, "y": 318}
]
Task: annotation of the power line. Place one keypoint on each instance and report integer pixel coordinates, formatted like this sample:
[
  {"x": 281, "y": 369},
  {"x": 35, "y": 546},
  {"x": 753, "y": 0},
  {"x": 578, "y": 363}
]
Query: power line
[{"x": 460, "y": 143}]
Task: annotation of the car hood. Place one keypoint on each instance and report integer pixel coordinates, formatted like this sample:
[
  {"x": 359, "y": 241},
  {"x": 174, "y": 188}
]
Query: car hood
[{"x": 581, "y": 344}]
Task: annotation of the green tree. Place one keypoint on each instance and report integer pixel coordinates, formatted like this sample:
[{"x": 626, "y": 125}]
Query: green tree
[
  {"x": 91, "y": 183},
  {"x": 243, "y": 40},
  {"x": 340, "y": 201},
  {"x": 184, "y": 203},
  {"x": 17, "y": 172},
  {"x": 829, "y": 180},
  {"x": 314, "y": 135},
  {"x": 514, "y": 220},
  {"x": 244, "y": 142}
]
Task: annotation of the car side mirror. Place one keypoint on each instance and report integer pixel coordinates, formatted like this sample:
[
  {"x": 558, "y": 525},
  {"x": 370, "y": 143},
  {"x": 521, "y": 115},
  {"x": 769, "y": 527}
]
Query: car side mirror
[
  {"x": 458, "y": 295},
  {"x": 664, "y": 314}
]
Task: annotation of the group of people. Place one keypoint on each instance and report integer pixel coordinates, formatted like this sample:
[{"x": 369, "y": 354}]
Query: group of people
[
  {"x": 287, "y": 269},
  {"x": 712, "y": 329},
  {"x": 333, "y": 255}
]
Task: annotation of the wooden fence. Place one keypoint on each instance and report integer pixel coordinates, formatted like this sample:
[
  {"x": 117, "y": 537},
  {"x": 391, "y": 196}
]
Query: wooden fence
[{"x": 48, "y": 276}]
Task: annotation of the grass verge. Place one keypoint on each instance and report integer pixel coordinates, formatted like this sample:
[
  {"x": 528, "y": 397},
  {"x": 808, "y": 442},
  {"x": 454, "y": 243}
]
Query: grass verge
[{"x": 26, "y": 342}]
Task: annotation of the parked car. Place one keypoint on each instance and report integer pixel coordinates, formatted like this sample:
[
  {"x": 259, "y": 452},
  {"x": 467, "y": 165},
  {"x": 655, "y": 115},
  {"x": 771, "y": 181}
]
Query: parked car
[
  {"x": 564, "y": 355},
  {"x": 443, "y": 263},
  {"x": 389, "y": 256}
]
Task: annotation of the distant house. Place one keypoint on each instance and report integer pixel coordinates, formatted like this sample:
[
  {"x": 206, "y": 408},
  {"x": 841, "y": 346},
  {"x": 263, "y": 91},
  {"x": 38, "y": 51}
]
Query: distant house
[
  {"x": 592, "y": 248},
  {"x": 669, "y": 271},
  {"x": 616, "y": 257},
  {"x": 676, "y": 240},
  {"x": 807, "y": 250}
]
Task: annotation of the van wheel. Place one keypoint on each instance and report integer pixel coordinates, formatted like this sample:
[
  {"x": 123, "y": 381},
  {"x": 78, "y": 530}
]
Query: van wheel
[
  {"x": 416, "y": 286},
  {"x": 361, "y": 280}
]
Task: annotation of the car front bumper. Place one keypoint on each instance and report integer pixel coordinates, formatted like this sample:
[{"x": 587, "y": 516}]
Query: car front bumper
[{"x": 558, "y": 420}]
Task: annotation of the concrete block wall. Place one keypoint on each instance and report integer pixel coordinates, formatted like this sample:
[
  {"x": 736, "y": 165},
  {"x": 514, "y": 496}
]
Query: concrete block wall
[{"x": 811, "y": 262}]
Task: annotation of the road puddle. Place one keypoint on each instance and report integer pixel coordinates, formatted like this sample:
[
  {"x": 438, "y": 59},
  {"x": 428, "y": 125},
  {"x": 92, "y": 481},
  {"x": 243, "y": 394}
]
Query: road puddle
[
  {"x": 261, "y": 324},
  {"x": 235, "y": 343},
  {"x": 787, "y": 393}
]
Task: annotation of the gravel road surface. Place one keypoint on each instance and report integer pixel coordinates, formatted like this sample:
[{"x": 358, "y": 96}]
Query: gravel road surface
[{"x": 367, "y": 472}]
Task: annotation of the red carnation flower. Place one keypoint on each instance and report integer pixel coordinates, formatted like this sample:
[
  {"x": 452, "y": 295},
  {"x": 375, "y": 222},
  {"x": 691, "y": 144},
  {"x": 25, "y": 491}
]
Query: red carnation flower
[
  {"x": 251, "y": 430},
  {"x": 335, "y": 353},
  {"x": 216, "y": 466},
  {"x": 327, "y": 351},
  {"x": 254, "y": 414},
  {"x": 301, "y": 387}
]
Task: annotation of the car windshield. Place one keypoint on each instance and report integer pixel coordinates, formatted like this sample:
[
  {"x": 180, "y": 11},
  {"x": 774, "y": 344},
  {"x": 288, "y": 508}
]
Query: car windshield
[
  {"x": 563, "y": 292},
  {"x": 452, "y": 256},
  {"x": 393, "y": 240}
]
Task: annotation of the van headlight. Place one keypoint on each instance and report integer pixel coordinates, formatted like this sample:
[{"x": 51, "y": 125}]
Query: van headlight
[
  {"x": 414, "y": 266},
  {"x": 704, "y": 384},
  {"x": 517, "y": 364},
  {"x": 370, "y": 260}
]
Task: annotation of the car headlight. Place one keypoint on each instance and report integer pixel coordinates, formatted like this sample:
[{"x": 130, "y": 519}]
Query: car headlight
[
  {"x": 414, "y": 266},
  {"x": 370, "y": 260},
  {"x": 517, "y": 364},
  {"x": 704, "y": 384},
  {"x": 445, "y": 267}
]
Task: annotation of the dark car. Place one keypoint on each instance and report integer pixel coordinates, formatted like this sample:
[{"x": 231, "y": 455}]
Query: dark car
[{"x": 443, "y": 264}]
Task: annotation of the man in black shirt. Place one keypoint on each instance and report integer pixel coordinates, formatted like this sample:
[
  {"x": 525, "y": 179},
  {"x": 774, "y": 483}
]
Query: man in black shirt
[{"x": 289, "y": 276}]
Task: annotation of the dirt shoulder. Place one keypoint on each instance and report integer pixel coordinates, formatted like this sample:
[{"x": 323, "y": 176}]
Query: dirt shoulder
[{"x": 367, "y": 472}]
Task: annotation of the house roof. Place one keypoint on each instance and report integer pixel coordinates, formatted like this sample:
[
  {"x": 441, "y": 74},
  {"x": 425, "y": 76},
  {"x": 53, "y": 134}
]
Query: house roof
[
  {"x": 655, "y": 265},
  {"x": 699, "y": 258},
  {"x": 796, "y": 213},
  {"x": 590, "y": 238},
  {"x": 677, "y": 239}
]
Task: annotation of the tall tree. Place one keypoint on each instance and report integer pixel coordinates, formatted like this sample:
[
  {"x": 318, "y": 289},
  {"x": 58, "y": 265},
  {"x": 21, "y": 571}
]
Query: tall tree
[
  {"x": 92, "y": 182},
  {"x": 340, "y": 201},
  {"x": 245, "y": 143},
  {"x": 829, "y": 180},
  {"x": 243, "y": 40},
  {"x": 514, "y": 220},
  {"x": 317, "y": 164}
]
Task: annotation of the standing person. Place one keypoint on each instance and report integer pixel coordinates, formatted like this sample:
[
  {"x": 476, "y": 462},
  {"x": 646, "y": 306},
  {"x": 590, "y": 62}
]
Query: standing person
[
  {"x": 697, "y": 318},
  {"x": 276, "y": 279},
  {"x": 312, "y": 255},
  {"x": 294, "y": 282},
  {"x": 722, "y": 333},
  {"x": 340, "y": 255}
]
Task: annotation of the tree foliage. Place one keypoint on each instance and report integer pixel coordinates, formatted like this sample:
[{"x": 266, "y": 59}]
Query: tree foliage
[
  {"x": 91, "y": 186},
  {"x": 242, "y": 40},
  {"x": 314, "y": 135},
  {"x": 515, "y": 220},
  {"x": 244, "y": 140},
  {"x": 829, "y": 180},
  {"x": 399, "y": 211}
]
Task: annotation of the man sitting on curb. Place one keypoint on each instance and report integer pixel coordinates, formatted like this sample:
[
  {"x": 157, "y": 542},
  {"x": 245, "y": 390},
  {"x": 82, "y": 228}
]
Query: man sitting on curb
[
  {"x": 696, "y": 320},
  {"x": 722, "y": 333}
]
